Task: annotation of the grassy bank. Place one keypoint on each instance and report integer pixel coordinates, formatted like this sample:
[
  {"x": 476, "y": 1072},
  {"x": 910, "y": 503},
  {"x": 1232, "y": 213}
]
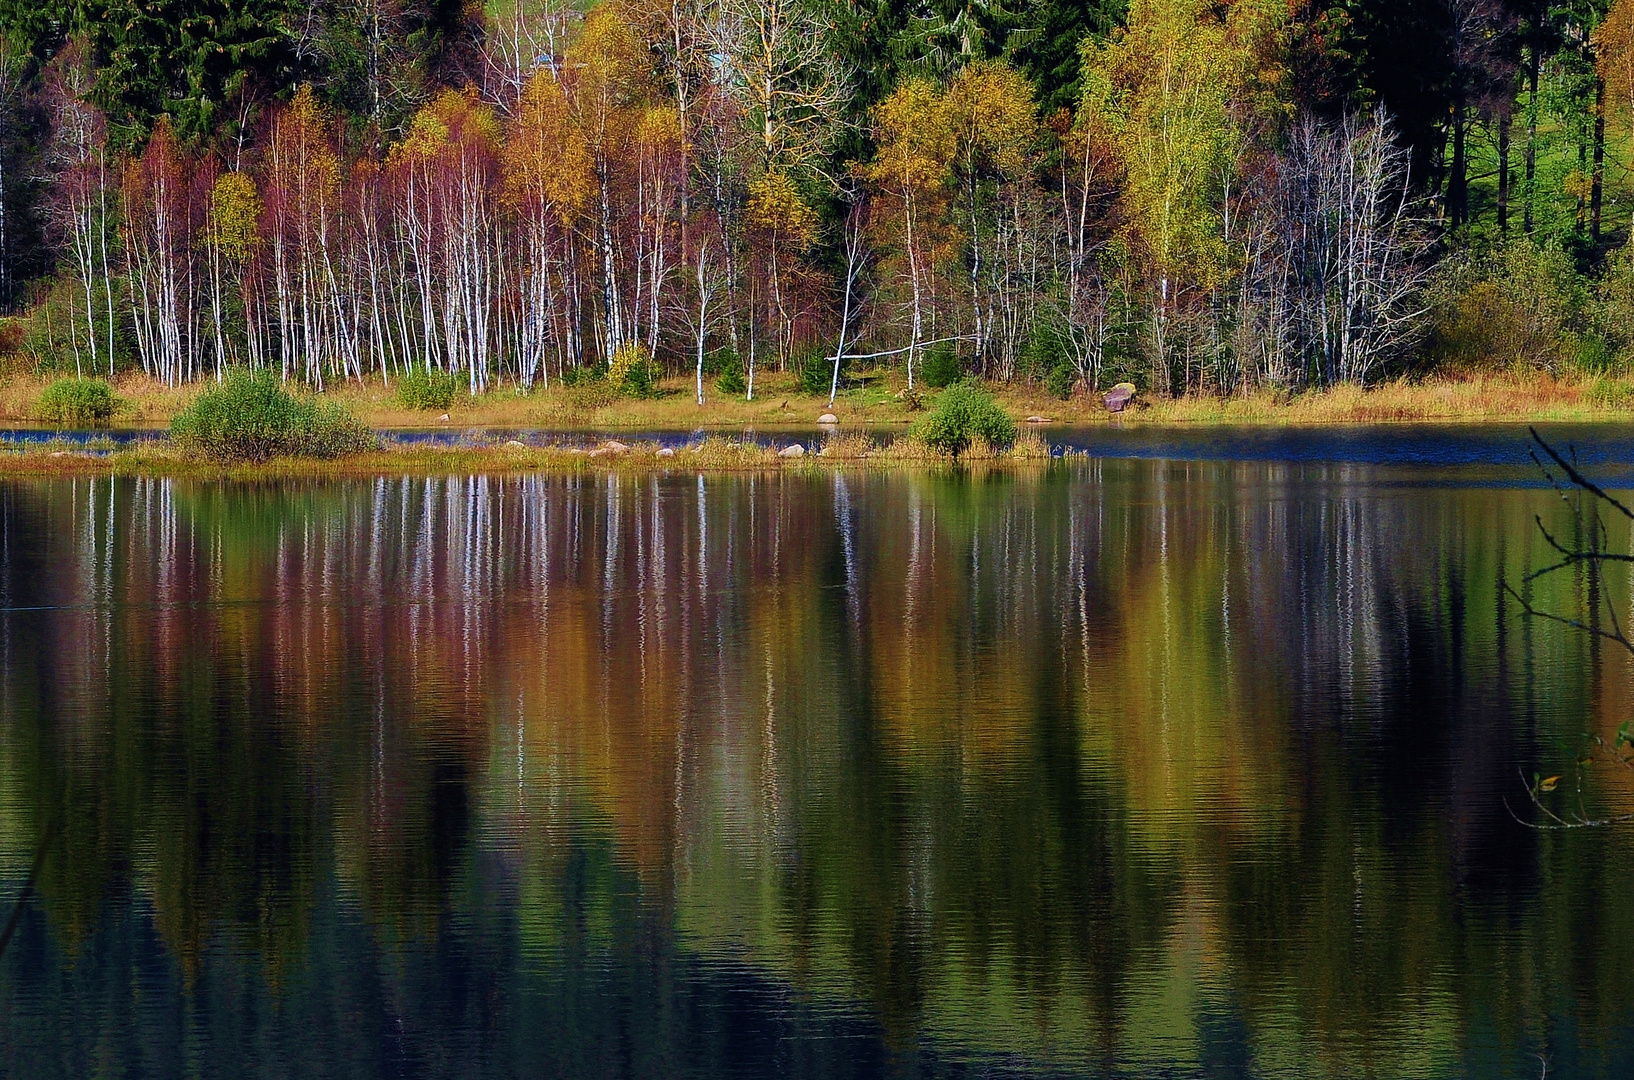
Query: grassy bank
[
  {"x": 1476, "y": 398},
  {"x": 712, "y": 454}
]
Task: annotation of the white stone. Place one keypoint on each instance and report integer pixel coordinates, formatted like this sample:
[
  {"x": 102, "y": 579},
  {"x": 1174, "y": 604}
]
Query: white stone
[
  {"x": 828, "y": 418},
  {"x": 666, "y": 451},
  {"x": 794, "y": 451}
]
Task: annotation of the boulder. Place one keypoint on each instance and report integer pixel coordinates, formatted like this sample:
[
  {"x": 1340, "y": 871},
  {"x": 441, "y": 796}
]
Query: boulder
[
  {"x": 1039, "y": 420},
  {"x": 828, "y": 418},
  {"x": 516, "y": 444},
  {"x": 794, "y": 451},
  {"x": 1119, "y": 397},
  {"x": 613, "y": 446},
  {"x": 666, "y": 451}
]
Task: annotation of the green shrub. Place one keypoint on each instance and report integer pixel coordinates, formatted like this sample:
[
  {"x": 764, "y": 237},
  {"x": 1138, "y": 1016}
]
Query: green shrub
[
  {"x": 721, "y": 361},
  {"x": 252, "y": 418},
  {"x": 1515, "y": 308},
  {"x": 962, "y": 414},
  {"x": 1592, "y": 355},
  {"x": 638, "y": 381},
  {"x": 940, "y": 368},
  {"x": 1060, "y": 381},
  {"x": 1047, "y": 347},
  {"x": 731, "y": 382},
  {"x": 1610, "y": 393},
  {"x": 580, "y": 376},
  {"x": 629, "y": 372},
  {"x": 418, "y": 388},
  {"x": 816, "y": 373},
  {"x": 86, "y": 402}
]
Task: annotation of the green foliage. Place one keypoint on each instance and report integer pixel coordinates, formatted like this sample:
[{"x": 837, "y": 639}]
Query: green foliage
[
  {"x": 1046, "y": 348},
  {"x": 962, "y": 414},
  {"x": 1060, "y": 381},
  {"x": 418, "y": 388},
  {"x": 732, "y": 382},
  {"x": 1519, "y": 307},
  {"x": 940, "y": 368},
  {"x": 250, "y": 417},
  {"x": 583, "y": 376},
  {"x": 816, "y": 373},
  {"x": 1613, "y": 304},
  {"x": 1610, "y": 393},
  {"x": 721, "y": 361},
  {"x": 77, "y": 402},
  {"x": 1592, "y": 354},
  {"x": 630, "y": 372}
]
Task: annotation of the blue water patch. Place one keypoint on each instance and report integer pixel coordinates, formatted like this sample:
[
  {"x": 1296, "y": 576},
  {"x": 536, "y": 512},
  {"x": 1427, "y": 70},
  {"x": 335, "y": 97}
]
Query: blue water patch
[
  {"x": 1606, "y": 449},
  {"x": 1391, "y": 444}
]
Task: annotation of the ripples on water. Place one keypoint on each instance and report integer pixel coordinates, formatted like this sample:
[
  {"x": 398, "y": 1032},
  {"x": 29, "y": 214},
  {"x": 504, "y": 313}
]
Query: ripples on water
[{"x": 1128, "y": 767}]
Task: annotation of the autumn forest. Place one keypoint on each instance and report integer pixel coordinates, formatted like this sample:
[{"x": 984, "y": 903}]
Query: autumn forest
[{"x": 1198, "y": 197}]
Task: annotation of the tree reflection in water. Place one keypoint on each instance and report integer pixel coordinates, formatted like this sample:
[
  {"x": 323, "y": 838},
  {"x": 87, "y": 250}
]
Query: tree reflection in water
[{"x": 1112, "y": 766}]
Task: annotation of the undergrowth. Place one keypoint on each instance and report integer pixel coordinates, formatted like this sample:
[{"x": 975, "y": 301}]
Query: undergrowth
[{"x": 253, "y": 418}]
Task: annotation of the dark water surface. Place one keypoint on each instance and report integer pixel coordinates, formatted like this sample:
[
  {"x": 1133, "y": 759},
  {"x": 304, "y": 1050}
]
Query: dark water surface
[{"x": 1120, "y": 767}]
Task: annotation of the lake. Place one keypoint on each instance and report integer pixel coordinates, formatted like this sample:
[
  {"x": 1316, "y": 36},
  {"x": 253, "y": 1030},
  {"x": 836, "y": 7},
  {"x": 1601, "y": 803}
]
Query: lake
[{"x": 1186, "y": 761}]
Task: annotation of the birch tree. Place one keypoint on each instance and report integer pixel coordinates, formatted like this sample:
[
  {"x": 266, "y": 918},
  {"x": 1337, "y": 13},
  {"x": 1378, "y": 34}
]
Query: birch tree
[{"x": 915, "y": 147}]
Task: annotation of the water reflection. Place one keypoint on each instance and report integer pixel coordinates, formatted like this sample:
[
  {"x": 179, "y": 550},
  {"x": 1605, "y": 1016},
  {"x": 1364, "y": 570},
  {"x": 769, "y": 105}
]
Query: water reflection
[{"x": 1194, "y": 766}]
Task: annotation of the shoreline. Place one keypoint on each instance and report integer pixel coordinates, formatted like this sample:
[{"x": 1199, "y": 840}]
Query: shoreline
[
  {"x": 875, "y": 404},
  {"x": 638, "y": 436},
  {"x": 711, "y": 455}
]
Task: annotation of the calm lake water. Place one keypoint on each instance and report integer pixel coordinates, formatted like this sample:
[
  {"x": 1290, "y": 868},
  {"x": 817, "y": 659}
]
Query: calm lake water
[{"x": 1205, "y": 764}]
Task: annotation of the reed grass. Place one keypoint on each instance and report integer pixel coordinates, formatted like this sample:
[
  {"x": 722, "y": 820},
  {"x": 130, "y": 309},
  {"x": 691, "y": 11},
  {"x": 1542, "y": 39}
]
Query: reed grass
[{"x": 1454, "y": 397}]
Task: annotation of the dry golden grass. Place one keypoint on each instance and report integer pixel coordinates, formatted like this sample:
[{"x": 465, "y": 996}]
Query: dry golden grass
[
  {"x": 1514, "y": 396},
  {"x": 713, "y": 454},
  {"x": 848, "y": 446},
  {"x": 1030, "y": 446},
  {"x": 1475, "y": 397}
]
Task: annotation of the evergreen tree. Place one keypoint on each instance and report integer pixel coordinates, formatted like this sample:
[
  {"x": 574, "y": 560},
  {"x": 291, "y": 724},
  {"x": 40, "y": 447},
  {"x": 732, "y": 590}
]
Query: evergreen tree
[{"x": 1049, "y": 49}]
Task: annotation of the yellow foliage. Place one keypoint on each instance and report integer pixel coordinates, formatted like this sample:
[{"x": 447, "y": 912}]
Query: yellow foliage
[
  {"x": 622, "y": 362},
  {"x": 546, "y": 157},
  {"x": 607, "y": 60},
  {"x": 659, "y": 128},
  {"x": 915, "y": 138},
  {"x": 1614, "y": 54},
  {"x": 302, "y": 156},
  {"x": 235, "y": 214},
  {"x": 776, "y": 207},
  {"x": 452, "y": 117},
  {"x": 992, "y": 115},
  {"x": 1160, "y": 93}
]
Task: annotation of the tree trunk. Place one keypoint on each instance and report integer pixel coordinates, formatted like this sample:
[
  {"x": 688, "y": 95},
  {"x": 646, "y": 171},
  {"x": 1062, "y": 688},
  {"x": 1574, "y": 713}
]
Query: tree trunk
[
  {"x": 1597, "y": 193},
  {"x": 1504, "y": 123},
  {"x": 1535, "y": 61},
  {"x": 1458, "y": 175}
]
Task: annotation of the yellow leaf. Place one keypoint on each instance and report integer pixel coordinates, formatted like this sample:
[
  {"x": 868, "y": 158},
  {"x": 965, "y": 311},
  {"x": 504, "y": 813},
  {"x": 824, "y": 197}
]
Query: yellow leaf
[{"x": 1549, "y": 783}]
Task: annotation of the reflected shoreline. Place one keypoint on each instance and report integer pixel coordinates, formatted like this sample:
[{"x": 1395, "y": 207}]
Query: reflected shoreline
[{"x": 1105, "y": 767}]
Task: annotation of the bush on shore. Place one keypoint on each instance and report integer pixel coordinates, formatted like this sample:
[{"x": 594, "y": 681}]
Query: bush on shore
[
  {"x": 629, "y": 372},
  {"x": 251, "y": 418},
  {"x": 962, "y": 414},
  {"x": 83, "y": 402},
  {"x": 418, "y": 388}
]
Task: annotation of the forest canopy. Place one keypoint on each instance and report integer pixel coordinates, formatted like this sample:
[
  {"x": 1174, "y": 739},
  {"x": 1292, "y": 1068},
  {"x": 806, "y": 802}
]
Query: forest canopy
[{"x": 1199, "y": 196}]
